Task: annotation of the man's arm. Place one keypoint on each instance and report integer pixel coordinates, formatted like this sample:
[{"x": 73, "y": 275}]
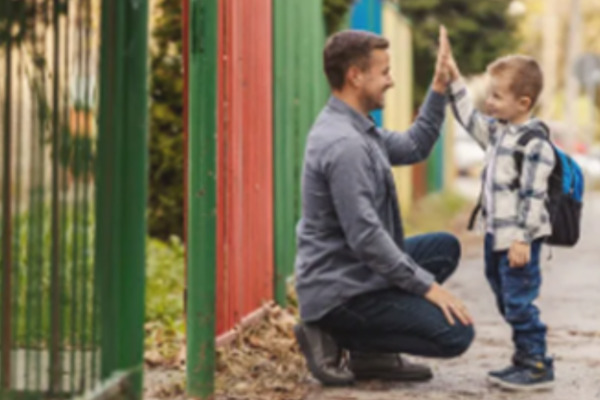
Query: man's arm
[
  {"x": 415, "y": 145},
  {"x": 538, "y": 162},
  {"x": 349, "y": 172}
]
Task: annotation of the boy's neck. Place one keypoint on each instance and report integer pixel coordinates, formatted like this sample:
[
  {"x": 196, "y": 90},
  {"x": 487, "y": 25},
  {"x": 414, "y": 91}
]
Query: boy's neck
[{"x": 520, "y": 120}]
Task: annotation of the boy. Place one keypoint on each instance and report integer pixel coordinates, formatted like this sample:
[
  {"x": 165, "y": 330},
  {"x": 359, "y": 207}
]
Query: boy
[{"x": 513, "y": 204}]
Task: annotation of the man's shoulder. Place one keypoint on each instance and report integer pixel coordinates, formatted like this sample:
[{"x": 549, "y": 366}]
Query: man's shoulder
[{"x": 330, "y": 128}]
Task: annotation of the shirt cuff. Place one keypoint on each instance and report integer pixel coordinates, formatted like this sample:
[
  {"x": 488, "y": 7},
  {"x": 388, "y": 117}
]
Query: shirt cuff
[
  {"x": 422, "y": 282},
  {"x": 434, "y": 100},
  {"x": 456, "y": 88},
  {"x": 523, "y": 236}
]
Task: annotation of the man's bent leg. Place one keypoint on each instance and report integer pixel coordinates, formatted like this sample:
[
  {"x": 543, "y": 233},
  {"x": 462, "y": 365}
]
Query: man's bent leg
[
  {"x": 439, "y": 253},
  {"x": 395, "y": 322}
]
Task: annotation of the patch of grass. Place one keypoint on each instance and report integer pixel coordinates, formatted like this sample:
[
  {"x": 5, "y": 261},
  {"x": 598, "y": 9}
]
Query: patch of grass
[
  {"x": 436, "y": 212},
  {"x": 165, "y": 281}
]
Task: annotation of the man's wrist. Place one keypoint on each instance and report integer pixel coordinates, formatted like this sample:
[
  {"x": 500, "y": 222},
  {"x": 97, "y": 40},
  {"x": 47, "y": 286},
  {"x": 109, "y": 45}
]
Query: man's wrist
[{"x": 439, "y": 87}]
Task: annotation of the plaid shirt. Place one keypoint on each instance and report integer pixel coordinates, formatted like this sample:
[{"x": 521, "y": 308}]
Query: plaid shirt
[{"x": 512, "y": 214}]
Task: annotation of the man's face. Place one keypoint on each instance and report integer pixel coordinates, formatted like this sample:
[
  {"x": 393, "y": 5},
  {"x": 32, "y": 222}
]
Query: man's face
[
  {"x": 375, "y": 80},
  {"x": 501, "y": 102}
]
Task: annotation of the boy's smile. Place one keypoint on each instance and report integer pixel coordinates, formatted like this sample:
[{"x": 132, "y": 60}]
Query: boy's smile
[{"x": 501, "y": 102}]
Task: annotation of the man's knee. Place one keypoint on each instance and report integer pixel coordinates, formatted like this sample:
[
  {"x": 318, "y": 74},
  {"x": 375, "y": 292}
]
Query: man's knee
[
  {"x": 452, "y": 244},
  {"x": 457, "y": 340},
  {"x": 449, "y": 246}
]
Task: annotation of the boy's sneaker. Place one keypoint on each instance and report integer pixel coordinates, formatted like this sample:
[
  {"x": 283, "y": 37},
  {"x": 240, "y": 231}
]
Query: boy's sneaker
[
  {"x": 502, "y": 372},
  {"x": 529, "y": 375},
  {"x": 516, "y": 359}
]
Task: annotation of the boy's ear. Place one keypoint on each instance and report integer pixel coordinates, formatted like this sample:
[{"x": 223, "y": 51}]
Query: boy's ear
[{"x": 525, "y": 101}]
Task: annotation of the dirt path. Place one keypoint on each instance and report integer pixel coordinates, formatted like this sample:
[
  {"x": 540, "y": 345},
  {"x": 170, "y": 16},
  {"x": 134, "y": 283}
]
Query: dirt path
[{"x": 570, "y": 305}]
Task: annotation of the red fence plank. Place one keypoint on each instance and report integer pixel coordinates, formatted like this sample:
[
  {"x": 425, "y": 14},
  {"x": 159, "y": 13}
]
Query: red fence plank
[{"x": 245, "y": 168}]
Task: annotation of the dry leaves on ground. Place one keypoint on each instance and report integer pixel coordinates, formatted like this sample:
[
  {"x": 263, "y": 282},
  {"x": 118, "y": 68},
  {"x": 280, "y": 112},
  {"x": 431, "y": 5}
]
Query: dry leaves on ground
[{"x": 263, "y": 361}]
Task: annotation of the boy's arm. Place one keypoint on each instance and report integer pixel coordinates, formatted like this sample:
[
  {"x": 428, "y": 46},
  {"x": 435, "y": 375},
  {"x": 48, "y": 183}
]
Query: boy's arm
[
  {"x": 479, "y": 126},
  {"x": 538, "y": 162}
]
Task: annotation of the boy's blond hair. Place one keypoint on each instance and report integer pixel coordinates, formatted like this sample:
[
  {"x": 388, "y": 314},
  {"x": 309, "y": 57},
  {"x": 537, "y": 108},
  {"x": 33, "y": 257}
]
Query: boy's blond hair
[{"x": 525, "y": 72}]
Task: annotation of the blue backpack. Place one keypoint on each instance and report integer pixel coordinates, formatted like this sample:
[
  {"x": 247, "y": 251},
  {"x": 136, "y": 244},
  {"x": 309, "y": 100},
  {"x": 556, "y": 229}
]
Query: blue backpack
[{"x": 565, "y": 191}]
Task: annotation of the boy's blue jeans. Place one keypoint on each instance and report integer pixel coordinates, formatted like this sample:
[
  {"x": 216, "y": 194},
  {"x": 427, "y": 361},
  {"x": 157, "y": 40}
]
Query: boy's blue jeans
[{"x": 515, "y": 290}]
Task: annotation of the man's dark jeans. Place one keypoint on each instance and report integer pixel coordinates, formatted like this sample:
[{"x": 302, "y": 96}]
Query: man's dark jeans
[
  {"x": 515, "y": 290},
  {"x": 393, "y": 321}
]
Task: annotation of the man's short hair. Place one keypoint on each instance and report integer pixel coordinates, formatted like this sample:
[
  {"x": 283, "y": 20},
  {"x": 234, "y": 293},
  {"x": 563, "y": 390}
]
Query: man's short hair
[
  {"x": 349, "y": 48},
  {"x": 526, "y": 75}
]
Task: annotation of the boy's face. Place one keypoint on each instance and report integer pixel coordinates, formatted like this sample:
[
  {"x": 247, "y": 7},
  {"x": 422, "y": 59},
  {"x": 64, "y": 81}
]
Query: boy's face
[{"x": 501, "y": 102}]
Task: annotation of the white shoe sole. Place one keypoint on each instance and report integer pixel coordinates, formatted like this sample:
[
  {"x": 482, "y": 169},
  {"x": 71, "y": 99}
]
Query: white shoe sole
[{"x": 520, "y": 388}]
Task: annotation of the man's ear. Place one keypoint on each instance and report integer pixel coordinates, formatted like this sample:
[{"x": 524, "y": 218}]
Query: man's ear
[{"x": 354, "y": 76}]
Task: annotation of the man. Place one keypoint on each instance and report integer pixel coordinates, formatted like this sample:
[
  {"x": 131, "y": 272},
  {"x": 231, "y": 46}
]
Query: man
[{"x": 361, "y": 285}]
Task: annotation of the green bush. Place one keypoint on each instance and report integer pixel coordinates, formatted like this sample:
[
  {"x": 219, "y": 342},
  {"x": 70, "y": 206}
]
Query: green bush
[
  {"x": 165, "y": 276},
  {"x": 165, "y": 205}
]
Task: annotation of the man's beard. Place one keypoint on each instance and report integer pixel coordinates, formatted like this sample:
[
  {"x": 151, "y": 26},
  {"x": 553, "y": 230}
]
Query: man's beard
[{"x": 372, "y": 103}]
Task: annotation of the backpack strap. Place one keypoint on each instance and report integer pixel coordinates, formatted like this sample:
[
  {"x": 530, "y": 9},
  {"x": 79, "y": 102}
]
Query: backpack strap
[
  {"x": 474, "y": 213},
  {"x": 478, "y": 207},
  {"x": 518, "y": 153},
  {"x": 543, "y": 133}
]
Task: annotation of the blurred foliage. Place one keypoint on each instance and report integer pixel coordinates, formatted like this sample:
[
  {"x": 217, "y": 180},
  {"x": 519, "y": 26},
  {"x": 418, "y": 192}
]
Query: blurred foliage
[
  {"x": 480, "y": 31},
  {"x": 32, "y": 242},
  {"x": 334, "y": 12},
  {"x": 165, "y": 207}
]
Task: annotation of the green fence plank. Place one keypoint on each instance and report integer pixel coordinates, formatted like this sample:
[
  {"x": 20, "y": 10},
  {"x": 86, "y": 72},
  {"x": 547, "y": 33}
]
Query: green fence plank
[
  {"x": 122, "y": 186},
  {"x": 201, "y": 235},
  {"x": 299, "y": 93}
]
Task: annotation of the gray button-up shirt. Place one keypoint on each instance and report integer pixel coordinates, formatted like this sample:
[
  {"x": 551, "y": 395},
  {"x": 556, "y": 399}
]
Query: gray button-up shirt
[{"x": 350, "y": 237}]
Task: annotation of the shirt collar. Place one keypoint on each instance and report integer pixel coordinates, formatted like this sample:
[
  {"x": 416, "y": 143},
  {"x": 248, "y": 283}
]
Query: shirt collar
[
  {"x": 361, "y": 122},
  {"x": 527, "y": 125}
]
